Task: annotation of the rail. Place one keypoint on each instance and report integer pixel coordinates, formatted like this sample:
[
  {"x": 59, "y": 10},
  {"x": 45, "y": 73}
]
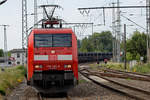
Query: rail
[{"x": 128, "y": 90}]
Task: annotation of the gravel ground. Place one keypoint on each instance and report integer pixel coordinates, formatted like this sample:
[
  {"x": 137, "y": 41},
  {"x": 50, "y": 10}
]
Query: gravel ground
[
  {"x": 90, "y": 91},
  {"x": 86, "y": 90},
  {"x": 145, "y": 85}
]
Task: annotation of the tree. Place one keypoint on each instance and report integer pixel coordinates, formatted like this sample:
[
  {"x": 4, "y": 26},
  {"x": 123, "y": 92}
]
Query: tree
[
  {"x": 79, "y": 44},
  {"x": 86, "y": 46},
  {"x": 9, "y": 54},
  {"x": 1, "y": 53},
  {"x": 129, "y": 56},
  {"x": 136, "y": 46},
  {"x": 98, "y": 42}
]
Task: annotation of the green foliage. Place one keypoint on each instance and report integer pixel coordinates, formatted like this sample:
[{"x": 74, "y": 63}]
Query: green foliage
[
  {"x": 1, "y": 53},
  {"x": 136, "y": 46},
  {"x": 138, "y": 57},
  {"x": 98, "y": 42},
  {"x": 86, "y": 46},
  {"x": 129, "y": 56},
  {"x": 144, "y": 68},
  {"x": 141, "y": 68},
  {"x": 111, "y": 65},
  {"x": 82, "y": 81},
  {"x": 117, "y": 66},
  {"x": 10, "y": 78},
  {"x": 9, "y": 54},
  {"x": 23, "y": 69}
]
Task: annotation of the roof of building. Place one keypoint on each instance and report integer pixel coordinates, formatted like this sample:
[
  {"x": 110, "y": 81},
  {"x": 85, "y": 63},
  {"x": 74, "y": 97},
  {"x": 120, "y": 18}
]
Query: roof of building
[
  {"x": 18, "y": 50},
  {"x": 2, "y": 59}
]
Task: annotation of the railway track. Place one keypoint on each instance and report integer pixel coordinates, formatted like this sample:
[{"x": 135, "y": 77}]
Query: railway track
[
  {"x": 128, "y": 90},
  {"x": 125, "y": 72},
  {"x": 121, "y": 74},
  {"x": 40, "y": 97}
]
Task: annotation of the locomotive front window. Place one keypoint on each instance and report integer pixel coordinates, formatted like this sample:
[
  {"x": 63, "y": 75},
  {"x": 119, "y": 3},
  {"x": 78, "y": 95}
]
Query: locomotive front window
[
  {"x": 52, "y": 40},
  {"x": 62, "y": 40},
  {"x": 43, "y": 40}
]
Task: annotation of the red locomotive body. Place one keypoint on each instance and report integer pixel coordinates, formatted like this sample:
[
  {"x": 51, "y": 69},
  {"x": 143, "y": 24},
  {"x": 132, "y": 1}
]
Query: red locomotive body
[{"x": 52, "y": 59}]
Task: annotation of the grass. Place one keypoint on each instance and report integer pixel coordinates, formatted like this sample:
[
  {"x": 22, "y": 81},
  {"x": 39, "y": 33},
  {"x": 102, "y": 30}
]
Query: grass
[
  {"x": 10, "y": 78},
  {"x": 145, "y": 68},
  {"x": 94, "y": 66},
  {"x": 117, "y": 66},
  {"x": 140, "y": 68},
  {"x": 82, "y": 81},
  {"x": 111, "y": 65}
]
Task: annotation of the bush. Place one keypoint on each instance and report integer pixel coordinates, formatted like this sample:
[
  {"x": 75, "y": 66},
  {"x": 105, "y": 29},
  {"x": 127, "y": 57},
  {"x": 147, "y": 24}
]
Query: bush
[
  {"x": 9, "y": 78},
  {"x": 145, "y": 68},
  {"x": 117, "y": 66},
  {"x": 23, "y": 69}
]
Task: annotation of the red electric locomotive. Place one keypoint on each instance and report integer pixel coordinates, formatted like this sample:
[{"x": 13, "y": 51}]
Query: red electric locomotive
[
  {"x": 52, "y": 59},
  {"x": 52, "y": 56}
]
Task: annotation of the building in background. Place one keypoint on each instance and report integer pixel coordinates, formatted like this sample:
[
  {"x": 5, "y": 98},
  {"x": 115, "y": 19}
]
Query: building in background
[
  {"x": 16, "y": 57},
  {"x": 5, "y": 62}
]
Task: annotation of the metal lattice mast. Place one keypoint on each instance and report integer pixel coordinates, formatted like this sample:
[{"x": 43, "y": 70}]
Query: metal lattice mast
[
  {"x": 114, "y": 32},
  {"x": 24, "y": 29},
  {"x": 35, "y": 14},
  {"x": 118, "y": 31}
]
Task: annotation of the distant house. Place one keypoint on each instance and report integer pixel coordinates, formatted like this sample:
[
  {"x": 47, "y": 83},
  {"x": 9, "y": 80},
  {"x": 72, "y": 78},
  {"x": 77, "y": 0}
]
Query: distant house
[
  {"x": 16, "y": 56},
  {"x": 5, "y": 62},
  {"x": 1, "y": 59}
]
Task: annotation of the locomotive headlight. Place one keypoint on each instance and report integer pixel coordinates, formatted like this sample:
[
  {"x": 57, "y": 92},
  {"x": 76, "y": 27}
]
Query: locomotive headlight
[
  {"x": 53, "y": 51},
  {"x": 67, "y": 66},
  {"x": 37, "y": 66}
]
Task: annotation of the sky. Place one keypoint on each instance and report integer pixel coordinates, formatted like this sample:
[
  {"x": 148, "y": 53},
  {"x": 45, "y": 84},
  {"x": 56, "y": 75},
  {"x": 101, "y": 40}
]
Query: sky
[{"x": 11, "y": 14}]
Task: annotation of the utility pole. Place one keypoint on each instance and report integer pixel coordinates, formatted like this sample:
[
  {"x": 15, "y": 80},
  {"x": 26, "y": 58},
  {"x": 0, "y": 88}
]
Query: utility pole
[
  {"x": 118, "y": 31},
  {"x": 125, "y": 61},
  {"x": 5, "y": 45},
  {"x": 24, "y": 30},
  {"x": 114, "y": 32},
  {"x": 148, "y": 29}
]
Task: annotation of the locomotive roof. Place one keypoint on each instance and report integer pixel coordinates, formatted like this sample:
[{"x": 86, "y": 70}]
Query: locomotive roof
[{"x": 54, "y": 30}]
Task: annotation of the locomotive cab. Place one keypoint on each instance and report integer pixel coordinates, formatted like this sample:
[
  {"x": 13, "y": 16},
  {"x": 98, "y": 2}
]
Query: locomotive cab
[{"x": 52, "y": 59}]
